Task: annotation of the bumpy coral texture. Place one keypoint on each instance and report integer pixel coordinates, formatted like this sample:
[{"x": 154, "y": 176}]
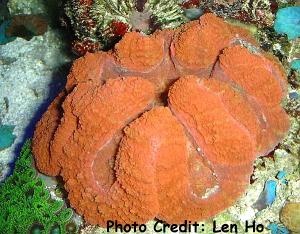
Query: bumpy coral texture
[{"x": 164, "y": 126}]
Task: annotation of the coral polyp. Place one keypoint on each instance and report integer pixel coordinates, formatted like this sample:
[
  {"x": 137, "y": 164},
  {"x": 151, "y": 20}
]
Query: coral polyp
[{"x": 104, "y": 21}]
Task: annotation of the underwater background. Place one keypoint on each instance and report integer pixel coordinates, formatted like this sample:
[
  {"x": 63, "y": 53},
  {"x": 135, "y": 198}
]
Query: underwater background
[{"x": 40, "y": 39}]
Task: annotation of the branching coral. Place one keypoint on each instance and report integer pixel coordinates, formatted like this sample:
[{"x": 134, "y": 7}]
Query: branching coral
[
  {"x": 26, "y": 205},
  {"x": 163, "y": 126},
  {"x": 96, "y": 22}
]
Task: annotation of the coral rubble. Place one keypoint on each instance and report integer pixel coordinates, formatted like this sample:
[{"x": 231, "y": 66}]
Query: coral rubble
[{"x": 164, "y": 125}]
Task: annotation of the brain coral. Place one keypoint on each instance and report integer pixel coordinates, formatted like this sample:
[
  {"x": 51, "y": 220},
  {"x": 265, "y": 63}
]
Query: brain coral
[{"x": 164, "y": 125}]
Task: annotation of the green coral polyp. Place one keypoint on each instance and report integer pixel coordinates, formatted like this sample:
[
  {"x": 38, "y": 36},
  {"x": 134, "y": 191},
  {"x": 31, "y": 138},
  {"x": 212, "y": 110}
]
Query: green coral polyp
[
  {"x": 167, "y": 13},
  {"x": 93, "y": 22},
  {"x": 26, "y": 204}
]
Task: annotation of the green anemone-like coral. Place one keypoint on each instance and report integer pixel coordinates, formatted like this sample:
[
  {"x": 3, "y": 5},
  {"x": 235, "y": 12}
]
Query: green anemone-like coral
[
  {"x": 166, "y": 13},
  {"x": 101, "y": 21},
  {"x": 26, "y": 205}
]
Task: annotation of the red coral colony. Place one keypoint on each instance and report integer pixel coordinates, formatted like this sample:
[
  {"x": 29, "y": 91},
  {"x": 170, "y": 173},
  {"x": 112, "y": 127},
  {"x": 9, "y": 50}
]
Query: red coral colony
[{"x": 164, "y": 126}]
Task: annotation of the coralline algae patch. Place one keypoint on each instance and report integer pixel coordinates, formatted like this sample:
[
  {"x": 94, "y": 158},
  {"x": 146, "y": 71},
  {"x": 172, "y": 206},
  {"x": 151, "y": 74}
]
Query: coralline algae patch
[{"x": 165, "y": 78}]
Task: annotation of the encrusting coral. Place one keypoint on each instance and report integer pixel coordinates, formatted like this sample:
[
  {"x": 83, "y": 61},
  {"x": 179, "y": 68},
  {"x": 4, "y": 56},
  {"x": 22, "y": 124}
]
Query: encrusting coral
[{"x": 164, "y": 126}]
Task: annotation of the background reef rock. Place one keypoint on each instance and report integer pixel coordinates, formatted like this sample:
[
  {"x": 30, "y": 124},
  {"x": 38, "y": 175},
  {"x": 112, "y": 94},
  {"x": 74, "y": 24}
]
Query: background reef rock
[
  {"x": 26, "y": 6},
  {"x": 31, "y": 72}
]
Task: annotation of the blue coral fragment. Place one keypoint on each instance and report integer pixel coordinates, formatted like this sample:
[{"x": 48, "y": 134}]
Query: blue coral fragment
[
  {"x": 288, "y": 22},
  {"x": 277, "y": 229},
  {"x": 270, "y": 190},
  {"x": 7, "y": 137},
  {"x": 281, "y": 177},
  {"x": 193, "y": 13},
  {"x": 295, "y": 64},
  {"x": 267, "y": 196},
  {"x": 294, "y": 95}
]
